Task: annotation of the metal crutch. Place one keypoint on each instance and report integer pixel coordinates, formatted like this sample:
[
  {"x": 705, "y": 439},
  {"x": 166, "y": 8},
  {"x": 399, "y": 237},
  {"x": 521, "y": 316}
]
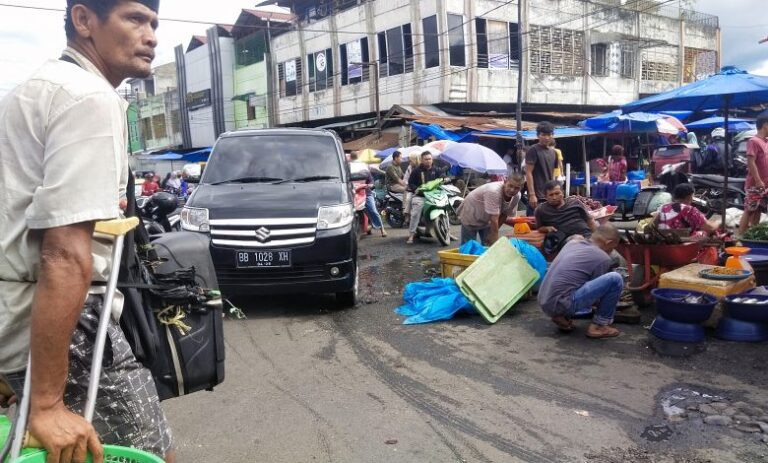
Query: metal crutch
[{"x": 117, "y": 229}]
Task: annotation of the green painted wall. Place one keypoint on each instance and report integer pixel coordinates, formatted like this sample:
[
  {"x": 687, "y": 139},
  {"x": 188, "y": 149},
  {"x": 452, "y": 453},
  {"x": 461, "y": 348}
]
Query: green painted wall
[
  {"x": 251, "y": 79},
  {"x": 134, "y": 133}
]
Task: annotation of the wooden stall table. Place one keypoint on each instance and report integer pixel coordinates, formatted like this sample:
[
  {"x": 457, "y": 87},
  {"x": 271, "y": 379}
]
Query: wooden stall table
[{"x": 688, "y": 278}]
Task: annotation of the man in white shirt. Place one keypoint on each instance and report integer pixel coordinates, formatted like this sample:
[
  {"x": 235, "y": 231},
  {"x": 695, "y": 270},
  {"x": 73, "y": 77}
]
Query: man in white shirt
[
  {"x": 63, "y": 125},
  {"x": 486, "y": 209}
]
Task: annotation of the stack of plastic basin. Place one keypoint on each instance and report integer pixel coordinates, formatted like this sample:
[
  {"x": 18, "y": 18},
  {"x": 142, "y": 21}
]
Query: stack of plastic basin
[
  {"x": 626, "y": 194},
  {"x": 633, "y": 175},
  {"x": 680, "y": 320},
  {"x": 746, "y": 320}
]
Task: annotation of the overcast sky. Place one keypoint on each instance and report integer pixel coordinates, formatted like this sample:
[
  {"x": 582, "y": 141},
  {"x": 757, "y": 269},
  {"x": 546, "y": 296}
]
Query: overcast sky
[{"x": 28, "y": 37}]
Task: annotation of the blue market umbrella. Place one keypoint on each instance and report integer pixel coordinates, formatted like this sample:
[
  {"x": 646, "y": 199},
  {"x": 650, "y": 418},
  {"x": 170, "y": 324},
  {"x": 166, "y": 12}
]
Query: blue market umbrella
[
  {"x": 475, "y": 157},
  {"x": 729, "y": 88},
  {"x": 636, "y": 122},
  {"x": 383, "y": 154},
  {"x": 734, "y": 124}
]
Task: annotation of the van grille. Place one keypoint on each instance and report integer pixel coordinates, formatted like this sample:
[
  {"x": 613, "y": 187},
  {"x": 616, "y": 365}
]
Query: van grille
[
  {"x": 295, "y": 274},
  {"x": 263, "y": 233}
]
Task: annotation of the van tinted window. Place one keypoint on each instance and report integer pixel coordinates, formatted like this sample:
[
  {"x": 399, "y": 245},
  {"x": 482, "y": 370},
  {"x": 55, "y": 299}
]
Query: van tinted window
[{"x": 278, "y": 157}]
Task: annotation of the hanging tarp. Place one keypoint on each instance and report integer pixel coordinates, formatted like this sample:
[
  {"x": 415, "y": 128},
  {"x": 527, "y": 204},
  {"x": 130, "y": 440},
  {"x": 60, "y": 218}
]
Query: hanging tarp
[{"x": 439, "y": 133}]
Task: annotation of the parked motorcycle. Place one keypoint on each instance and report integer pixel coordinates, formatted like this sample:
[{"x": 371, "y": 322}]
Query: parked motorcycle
[
  {"x": 435, "y": 216},
  {"x": 160, "y": 213},
  {"x": 709, "y": 197},
  {"x": 394, "y": 207},
  {"x": 359, "y": 188}
]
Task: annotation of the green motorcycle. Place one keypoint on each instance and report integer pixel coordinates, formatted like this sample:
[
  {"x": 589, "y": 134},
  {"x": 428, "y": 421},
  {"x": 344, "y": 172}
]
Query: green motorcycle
[{"x": 440, "y": 203}]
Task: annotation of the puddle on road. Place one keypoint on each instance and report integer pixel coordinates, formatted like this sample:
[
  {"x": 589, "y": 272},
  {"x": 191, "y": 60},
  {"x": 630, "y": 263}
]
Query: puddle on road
[{"x": 657, "y": 433}]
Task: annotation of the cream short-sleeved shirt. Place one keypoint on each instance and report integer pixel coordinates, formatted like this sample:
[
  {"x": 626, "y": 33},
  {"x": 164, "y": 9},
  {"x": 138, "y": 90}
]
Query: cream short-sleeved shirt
[
  {"x": 62, "y": 161},
  {"x": 484, "y": 202}
]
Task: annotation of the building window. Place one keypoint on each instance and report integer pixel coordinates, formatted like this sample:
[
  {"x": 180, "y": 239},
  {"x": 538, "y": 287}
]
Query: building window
[
  {"x": 497, "y": 44},
  {"x": 698, "y": 64},
  {"x": 599, "y": 60},
  {"x": 556, "y": 51},
  {"x": 628, "y": 62},
  {"x": 289, "y": 76},
  {"x": 320, "y": 70},
  {"x": 456, "y": 40},
  {"x": 351, "y": 55},
  {"x": 158, "y": 126},
  {"x": 659, "y": 64},
  {"x": 146, "y": 129},
  {"x": 431, "y": 42},
  {"x": 250, "y": 49},
  {"x": 514, "y": 45},
  {"x": 395, "y": 51}
]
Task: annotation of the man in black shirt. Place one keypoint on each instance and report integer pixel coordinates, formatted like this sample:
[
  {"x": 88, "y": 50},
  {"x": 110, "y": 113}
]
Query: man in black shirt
[
  {"x": 540, "y": 163},
  {"x": 425, "y": 172},
  {"x": 566, "y": 215}
]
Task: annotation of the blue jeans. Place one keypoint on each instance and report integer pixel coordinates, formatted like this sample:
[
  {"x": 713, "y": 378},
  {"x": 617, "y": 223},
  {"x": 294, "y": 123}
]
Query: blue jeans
[
  {"x": 373, "y": 214},
  {"x": 605, "y": 290},
  {"x": 471, "y": 234}
]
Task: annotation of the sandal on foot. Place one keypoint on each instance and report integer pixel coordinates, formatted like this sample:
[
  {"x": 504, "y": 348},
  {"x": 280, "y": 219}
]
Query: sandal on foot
[
  {"x": 604, "y": 332},
  {"x": 563, "y": 324}
]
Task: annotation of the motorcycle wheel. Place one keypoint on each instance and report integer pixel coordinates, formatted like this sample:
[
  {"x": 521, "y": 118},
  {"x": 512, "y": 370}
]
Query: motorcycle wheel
[
  {"x": 395, "y": 219},
  {"x": 442, "y": 227},
  {"x": 453, "y": 217}
]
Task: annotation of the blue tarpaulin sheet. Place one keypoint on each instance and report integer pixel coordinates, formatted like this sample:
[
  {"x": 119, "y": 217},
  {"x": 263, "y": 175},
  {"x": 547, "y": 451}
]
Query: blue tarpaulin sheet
[
  {"x": 434, "y": 130},
  {"x": 560, "y": 132},
  {"x": 430, "y": 301},
  {"x": 200, "y": 155}
]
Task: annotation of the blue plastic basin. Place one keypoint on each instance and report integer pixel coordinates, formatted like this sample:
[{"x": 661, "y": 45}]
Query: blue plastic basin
[
  {"x": 747, "y": 312},
  {"x": 675, "y": 331},
  {"x": 669, "y": 304},
  {"x": 731, "y": 329},
  {"x": 754, "y": 244}
]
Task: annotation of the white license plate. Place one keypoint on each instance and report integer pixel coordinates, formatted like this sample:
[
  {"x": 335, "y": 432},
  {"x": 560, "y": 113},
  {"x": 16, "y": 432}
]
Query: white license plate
[{"x": 250, "y": 259}]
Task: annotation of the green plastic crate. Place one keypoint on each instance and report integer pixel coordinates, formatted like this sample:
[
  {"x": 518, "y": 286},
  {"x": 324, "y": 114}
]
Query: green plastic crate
[{"x": 497, "y": 280}]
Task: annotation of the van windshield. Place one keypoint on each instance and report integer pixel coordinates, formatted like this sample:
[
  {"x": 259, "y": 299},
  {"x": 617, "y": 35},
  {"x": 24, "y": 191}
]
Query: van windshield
[{"x": 274, "y": 158}]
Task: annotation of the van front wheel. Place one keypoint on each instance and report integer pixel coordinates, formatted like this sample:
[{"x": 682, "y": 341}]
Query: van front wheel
[{"x": 348, "y": 299}]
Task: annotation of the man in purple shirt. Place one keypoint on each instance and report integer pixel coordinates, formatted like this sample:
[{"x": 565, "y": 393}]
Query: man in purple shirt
[{"x": 579, "y": 277}]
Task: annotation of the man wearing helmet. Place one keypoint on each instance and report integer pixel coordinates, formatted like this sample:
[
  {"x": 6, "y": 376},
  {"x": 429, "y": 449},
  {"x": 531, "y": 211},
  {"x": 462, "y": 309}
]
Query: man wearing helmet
[
  {"x": 757, "y": 175},
  {"x": 65, "y": 123}
]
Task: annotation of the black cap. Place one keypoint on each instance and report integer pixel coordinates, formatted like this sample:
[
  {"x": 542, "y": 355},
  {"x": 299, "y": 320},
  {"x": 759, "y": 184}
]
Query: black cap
[{"x": 154, "y": 5}]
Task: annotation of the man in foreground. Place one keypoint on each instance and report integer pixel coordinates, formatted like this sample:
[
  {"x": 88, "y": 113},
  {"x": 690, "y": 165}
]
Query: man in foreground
[
  {"x": 64, "y": 124},
  {"x": 757, "y": 175},
  {"x": 579, "y": 277},
  {"x": 486, "y": 209}
]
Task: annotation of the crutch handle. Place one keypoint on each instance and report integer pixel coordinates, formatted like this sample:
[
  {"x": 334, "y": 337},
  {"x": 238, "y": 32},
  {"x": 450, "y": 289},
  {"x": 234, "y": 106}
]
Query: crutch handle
[
  {"x": 117, "y": 227},
  {"x": 5, "y": 389},
  {"x": 30, "y": 442}
]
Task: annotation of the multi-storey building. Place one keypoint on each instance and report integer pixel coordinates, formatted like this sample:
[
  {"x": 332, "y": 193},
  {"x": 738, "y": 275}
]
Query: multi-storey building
[
  {"x": 341, "y": 55},
  {"x": 154, "y": 100},
  {"x": 206, "y": 86}
]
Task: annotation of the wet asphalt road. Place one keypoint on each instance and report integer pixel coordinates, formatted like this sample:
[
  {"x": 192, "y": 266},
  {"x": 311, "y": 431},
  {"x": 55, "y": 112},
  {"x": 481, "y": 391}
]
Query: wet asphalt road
[{"x": 307, "y": 382}]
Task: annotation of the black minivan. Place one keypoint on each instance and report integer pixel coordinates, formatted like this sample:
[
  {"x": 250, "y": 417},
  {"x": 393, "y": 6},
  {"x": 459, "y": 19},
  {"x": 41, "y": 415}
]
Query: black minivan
[{"x": 277, "y": 204}]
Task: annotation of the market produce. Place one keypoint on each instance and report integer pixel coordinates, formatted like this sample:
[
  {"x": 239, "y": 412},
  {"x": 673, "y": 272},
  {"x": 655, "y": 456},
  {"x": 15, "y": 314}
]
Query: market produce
[
  {"x": 758, "y": 233},
  {"x": 589, "y": 203}
]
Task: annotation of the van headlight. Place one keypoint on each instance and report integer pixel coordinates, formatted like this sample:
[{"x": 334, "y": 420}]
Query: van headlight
[
  {"x": 330, "y": 217},
  {"x": 195, "y": 219}
]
